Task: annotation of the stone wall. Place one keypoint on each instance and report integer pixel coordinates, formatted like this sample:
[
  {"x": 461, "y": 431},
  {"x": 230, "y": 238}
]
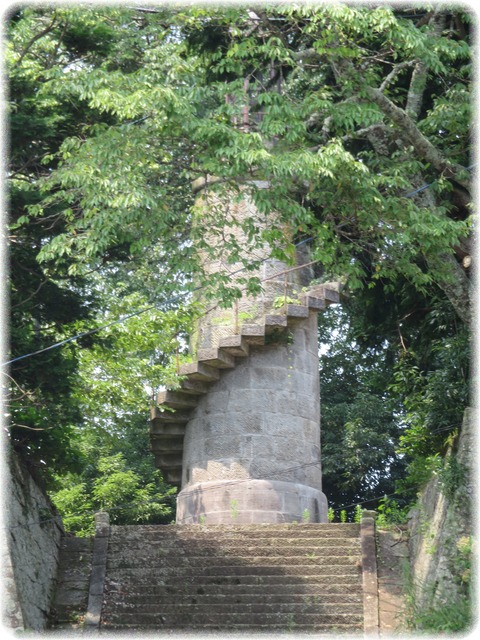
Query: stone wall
[
  {"x": 441, "y": 525},
  {"x": 30, "y": 549}
]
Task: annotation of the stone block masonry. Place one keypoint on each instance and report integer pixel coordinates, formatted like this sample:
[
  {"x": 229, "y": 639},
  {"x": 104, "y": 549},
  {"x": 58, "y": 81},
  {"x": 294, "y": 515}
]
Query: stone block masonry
[
  {"x": 252, "y": 446},
  {"x": 31, "y": 551},
  {"x": 246, "y": 445},
  {"x": 225, "y": 579}
]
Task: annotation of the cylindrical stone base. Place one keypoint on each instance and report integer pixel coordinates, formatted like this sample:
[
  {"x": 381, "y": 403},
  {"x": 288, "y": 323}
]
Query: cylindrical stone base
[
  {"x": 250, "y": 502},
  {"x": 251, "y": 451}
]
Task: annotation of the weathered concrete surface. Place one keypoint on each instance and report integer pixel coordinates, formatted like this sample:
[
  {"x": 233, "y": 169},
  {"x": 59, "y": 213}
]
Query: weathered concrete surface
[
  {"x": 99, "y": 570},
  {"x": 441, "y": 524},
  {"x": 73, "y": 581},
  {"x": 239, "y": 217},
  {"x": 31, "y": 550},
  {"x": 369, "y": 574},
  {"x": 257, "y": 433},
  {"x": 392, "y": 556},
  {"x": 231, "y": 578}
]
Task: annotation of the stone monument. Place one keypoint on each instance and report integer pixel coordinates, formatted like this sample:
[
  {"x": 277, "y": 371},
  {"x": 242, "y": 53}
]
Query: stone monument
[{"x": 241, "y": 437}]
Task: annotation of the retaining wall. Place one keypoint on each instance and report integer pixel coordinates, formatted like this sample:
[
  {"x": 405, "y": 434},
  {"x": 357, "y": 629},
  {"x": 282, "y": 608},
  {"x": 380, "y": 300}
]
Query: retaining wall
[{"x": 30, "y": 550}]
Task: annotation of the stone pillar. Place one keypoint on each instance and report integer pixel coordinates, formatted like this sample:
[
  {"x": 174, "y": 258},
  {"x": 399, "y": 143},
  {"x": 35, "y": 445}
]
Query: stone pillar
[
  {"x": 99, "y": 571},
  {"x": 251, "y": 451}
]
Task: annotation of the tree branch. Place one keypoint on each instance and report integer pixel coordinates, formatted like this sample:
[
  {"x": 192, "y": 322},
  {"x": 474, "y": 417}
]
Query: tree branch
[
  {"x": 418, "y": 80},
  {"x": 412, "y": 135},
  {"x": 32, "y": 41},
  {"x": 394, "y": 73}
]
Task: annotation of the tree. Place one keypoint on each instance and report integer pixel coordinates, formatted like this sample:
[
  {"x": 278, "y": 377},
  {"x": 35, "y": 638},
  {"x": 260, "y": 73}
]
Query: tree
[
  {"x": 114, "y": 487},
  {"x": 48, "y": 412},
  {"x": 362, "y": 420},
  {"x": 339, "y": 108},
  {"x": 358, "y": 119}
]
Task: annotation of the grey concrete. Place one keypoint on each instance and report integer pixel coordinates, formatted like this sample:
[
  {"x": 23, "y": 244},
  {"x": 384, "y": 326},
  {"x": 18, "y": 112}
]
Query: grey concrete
[
  {"x": 258, "y": 427},
  {"x": 266, "y": 578},
  {"x": 369, "y": 574},
  {"x": 73, "y": 583},
  {"x": 251, "y": 501},
  {"x": 239, "y": 217}
]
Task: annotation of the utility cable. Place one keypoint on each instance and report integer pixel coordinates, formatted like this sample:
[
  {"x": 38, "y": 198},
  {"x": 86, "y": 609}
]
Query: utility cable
[
  {"x": 165, "y": 498},
  {"x": 428, "y": 185}
]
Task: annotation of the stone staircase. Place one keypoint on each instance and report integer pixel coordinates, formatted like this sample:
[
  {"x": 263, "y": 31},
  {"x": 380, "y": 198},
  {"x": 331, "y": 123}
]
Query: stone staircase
[
  {"x": 293, "y": 577},
  {"x": 174, "y": 407}
]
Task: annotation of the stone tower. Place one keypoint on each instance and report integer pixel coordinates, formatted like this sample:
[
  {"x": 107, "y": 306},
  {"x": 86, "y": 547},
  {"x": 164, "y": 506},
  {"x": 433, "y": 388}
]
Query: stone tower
[{"x": 241, "y": 437}]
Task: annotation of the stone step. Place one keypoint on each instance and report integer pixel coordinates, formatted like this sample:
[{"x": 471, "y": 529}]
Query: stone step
[
  {"x": 316, "y": 304},
  {"x": 247, "y": 584},
  {"x": 232, "y": 563},
  {"x": 240, "y": 629},
  {"x": 235, "y": 531},
  {"x": 241, "y": 551},
  {"x": 296, "y": 312},
  {"x": 72, "y": 544},
  {"x": 259, "y": 537},
  {"x": 219, "y": 610},
  {"x": 140, "y": 577},
  {"x": 236, "y": 345},
  {"x": 232, "y": 597},
  {"x": 159, "y": 572},
  {"x": 199, "y": 371},
  {"x": 172, "y": 476},
  {"x": 194, "y": 387},
  {"x": 254, "y": 334},
  {"x": 169, "y": 461},
  {"x": 73, "y": 581},
  {"x": 166, "y": 429},
  {"x": 216, "y": 358},
  {"x": 285, "y": 619},
  {"x": 275, "y": 323},
  {"x": 166, "y": 444},
  {"x": 325, "y": 292},
  {"x": 159, "y": 416},
  {"x": 176, "y": 400}
]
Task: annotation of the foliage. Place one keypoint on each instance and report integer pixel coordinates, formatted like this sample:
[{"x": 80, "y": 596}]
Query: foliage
[
  {"x": 434, "y": 397},
  {"x": 391, "y": 513},
  {"x": 361, "y": 421},
  {"x": 357, "y": 516},
  {"x": 112, "y": 487},
  {"x": 394, "y": 385},
  {"x": 171, "y": 114},
  {"x": 451, "y": 614}
]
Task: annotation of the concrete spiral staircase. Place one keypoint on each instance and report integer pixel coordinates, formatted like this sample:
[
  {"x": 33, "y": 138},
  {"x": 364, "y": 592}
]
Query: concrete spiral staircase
[{"x": 174, "y": 407}]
